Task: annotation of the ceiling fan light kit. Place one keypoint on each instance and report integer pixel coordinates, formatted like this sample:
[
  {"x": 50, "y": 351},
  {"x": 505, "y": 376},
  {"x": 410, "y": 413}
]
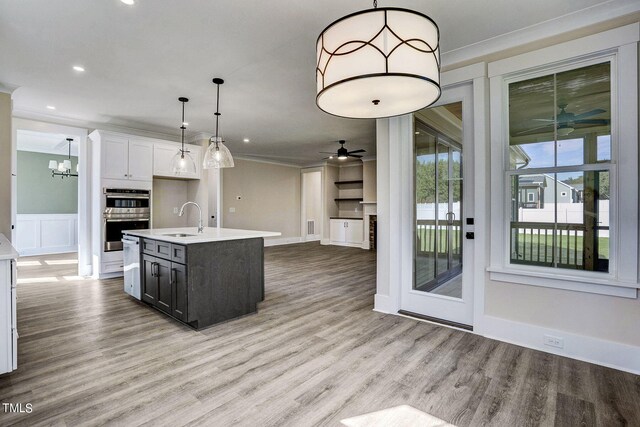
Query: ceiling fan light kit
[
  {"x": 182, "y": 163},
  {"x": 378, "y": 63},
  {"x": 218, "y": 155},
  {"x": 343, "y": 153}
]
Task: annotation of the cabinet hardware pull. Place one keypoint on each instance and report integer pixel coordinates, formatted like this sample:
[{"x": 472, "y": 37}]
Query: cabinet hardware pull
[{"x": 172, "y": 279}]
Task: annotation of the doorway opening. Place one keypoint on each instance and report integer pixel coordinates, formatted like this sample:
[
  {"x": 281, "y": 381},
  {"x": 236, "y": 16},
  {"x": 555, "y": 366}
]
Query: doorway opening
[{"x": 311, "y": 205}]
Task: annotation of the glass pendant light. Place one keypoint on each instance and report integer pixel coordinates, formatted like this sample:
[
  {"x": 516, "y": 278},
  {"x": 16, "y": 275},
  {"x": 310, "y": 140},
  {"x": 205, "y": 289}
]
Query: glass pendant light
[
  {"x": 217, "y": 155},
  {"x": 182, "y": 163}
]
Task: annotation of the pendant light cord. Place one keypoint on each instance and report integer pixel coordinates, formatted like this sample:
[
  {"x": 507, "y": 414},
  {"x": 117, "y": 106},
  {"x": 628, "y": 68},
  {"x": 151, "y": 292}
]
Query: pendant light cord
[
  {"x": 182, "y": 127},
  {"x": 217, "y": 114}
]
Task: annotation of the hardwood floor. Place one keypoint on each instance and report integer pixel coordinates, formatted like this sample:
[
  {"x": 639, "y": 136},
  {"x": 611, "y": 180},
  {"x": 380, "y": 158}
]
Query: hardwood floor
[{"x": 314, "y": 354}]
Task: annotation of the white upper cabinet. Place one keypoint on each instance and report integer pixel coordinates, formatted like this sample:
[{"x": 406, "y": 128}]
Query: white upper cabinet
[
  {"x": 163, "y": 154},
  {"x": 123, "y": 158},
  {"x": 135, "y": 158},
  {"x": 115, "y": 158},
  {"x": 140, "y": 160}
]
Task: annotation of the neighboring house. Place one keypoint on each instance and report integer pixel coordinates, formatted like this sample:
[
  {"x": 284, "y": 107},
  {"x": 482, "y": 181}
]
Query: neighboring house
[{"x": 537, "y": 189}]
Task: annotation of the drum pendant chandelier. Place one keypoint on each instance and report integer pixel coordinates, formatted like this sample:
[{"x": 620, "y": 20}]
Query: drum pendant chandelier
[{"x": 378, "y": 63}]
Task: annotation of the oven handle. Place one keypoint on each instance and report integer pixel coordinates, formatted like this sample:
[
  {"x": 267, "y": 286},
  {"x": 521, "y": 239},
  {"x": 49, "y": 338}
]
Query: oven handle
[
  {"x": 127, "y": 196},
  {"x": 126, "y": 220}
]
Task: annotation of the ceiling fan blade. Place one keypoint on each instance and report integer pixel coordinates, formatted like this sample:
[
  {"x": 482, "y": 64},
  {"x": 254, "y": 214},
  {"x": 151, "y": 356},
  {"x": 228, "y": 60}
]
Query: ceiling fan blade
[
  {"x": 327, "y": 158},
  {"x": 354, "y": 155},
  {"x": 544, "y": 120},
  {"x": 589, "y": 114},
  {"x": 535, "y": 128},
  {"x": 358, "y": 151},
  {"x": 327, "y": 152},
  {"x": 602, "y": 122}
]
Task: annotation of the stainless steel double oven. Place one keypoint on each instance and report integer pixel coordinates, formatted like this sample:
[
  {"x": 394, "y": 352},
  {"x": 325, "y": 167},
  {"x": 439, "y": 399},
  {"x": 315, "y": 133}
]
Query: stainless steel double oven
[{"x": 124, "y": 209}]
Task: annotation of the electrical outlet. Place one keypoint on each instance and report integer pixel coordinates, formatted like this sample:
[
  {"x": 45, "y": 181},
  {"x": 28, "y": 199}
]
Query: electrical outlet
[
  {"x": 175, "y": 210},
  {"x": 232, "y": 210},
  {"x": 552, "y": 341}
]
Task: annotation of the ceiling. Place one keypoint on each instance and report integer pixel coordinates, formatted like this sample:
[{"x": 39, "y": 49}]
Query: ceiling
[
  {"x": 40, "y": 142},
  {"x": 140, "y": 59}
]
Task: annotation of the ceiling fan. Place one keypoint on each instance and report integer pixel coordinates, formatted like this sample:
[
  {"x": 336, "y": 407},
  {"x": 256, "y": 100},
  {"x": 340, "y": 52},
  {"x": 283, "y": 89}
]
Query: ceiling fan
[
  {"x": 566, "y": 120},
  {"x": 343, "y": 153}
]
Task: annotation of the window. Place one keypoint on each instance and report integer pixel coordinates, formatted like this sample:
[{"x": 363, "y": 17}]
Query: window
[
  {"x": 560, "y": 137},
  {"x": 564, "y": 118}
]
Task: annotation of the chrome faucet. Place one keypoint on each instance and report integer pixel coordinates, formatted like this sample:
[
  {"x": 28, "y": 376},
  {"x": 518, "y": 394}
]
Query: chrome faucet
[{"x": 200, "y": 226}]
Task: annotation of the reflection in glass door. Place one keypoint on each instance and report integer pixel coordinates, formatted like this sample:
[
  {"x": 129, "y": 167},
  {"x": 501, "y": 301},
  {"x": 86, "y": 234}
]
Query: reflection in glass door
[{"x": 438, "y": 186}]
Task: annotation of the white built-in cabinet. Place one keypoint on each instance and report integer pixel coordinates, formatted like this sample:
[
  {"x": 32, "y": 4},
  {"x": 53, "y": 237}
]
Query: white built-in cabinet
[
  {"x": 125, "y": 158},
  {"x": 8, "y": 314},
  {"x": 163, "y": 155},
  {"x": 346, "y": 232}
]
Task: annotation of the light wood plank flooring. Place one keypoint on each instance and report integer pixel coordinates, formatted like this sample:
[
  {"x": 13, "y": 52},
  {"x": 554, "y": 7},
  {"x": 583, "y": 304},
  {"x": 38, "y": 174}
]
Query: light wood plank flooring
[{"x": 314, "y": 354}]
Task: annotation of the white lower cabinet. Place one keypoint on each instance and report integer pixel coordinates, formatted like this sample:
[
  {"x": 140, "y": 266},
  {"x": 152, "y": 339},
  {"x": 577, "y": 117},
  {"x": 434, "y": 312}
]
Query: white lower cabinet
[
  {"x": 8, "y": 317},
  {"x": 346, "y": 232}
]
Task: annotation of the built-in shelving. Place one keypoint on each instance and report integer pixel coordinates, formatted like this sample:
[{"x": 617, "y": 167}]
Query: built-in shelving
[
  {"x": 355, "y": 181},
  {"x": 349, "y": 199}
]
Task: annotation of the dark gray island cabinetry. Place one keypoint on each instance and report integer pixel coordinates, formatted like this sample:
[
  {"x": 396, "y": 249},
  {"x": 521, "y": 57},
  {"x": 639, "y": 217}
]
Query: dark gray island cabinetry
[{"x": 202, "y": 281}]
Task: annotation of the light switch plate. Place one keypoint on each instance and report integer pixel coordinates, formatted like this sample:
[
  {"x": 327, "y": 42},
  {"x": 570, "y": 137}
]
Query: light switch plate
[{"x": 232, "y": 210}]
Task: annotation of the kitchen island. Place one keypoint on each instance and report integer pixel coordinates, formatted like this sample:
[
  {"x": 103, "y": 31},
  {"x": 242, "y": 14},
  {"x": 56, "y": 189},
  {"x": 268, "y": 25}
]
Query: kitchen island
[{"x": 202, "y": 278}]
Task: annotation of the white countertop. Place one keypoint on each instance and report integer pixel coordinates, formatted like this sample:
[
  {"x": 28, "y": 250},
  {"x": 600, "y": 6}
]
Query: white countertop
[
  {"x": 210, "y": 234},
  {"x": 6, "y": 250}
]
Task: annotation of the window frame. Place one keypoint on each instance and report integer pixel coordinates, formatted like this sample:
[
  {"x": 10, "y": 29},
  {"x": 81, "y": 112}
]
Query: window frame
[{"x": 622, "y": 278}]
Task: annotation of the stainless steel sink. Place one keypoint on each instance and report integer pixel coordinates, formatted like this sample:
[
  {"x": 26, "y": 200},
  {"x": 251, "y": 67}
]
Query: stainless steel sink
[{"x": 179, "y": 235}]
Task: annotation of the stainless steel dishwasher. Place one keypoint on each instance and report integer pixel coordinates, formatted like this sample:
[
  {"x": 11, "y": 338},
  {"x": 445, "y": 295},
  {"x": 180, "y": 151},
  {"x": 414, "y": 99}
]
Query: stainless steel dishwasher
[{"x": 131, "y": 254}]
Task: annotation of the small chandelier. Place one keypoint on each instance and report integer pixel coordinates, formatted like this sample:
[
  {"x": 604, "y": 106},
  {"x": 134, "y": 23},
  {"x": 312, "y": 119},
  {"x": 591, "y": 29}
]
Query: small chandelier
[
  {"x": 217, "y": 155},
  {"x": 182, "y": 163},
  {"x": 378, "y": 63},
  {"x": 63, "y": 169}
]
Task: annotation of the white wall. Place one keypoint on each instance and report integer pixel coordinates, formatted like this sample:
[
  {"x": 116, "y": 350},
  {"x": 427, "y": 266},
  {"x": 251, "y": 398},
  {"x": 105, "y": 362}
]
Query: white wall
[
  {"x": 262, "y": 196},
  {"x": 369, "y": 187},
  {"x": 5, "y": 164},
  {"x": 169, "y": 194},
  {"x": 597, "y": 328}
]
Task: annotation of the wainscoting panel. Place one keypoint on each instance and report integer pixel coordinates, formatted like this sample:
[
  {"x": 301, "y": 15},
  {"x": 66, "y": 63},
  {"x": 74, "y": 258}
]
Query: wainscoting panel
[{"x": 38, "y": 234}]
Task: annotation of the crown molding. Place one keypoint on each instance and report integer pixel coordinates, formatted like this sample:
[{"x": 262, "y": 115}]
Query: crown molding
[
  {"x": 7, "y": 88},
  {"x": 270, "y": 162},
  {"x": 67, "y": 121},
  {"x": 589, "y": 17}
]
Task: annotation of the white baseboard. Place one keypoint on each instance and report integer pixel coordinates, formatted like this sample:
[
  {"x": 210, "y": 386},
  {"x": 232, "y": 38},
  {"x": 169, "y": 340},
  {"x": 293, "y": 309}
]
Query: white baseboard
[
  {"x": 325, "y": 242},
  {"x": 282, "y": 241},
  {"x": 348, "y": 245},
  {"x": 588, "y": 349},
  {"x": 383, "y": 304}
]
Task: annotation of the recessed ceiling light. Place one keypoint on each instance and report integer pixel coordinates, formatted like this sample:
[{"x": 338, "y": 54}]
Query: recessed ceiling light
[
  {"x": 128, "y": 2},
  {"x": 246, "y": 140},
  {"x": 78, "y": 68},
  {"x": 51, "y": 107}
]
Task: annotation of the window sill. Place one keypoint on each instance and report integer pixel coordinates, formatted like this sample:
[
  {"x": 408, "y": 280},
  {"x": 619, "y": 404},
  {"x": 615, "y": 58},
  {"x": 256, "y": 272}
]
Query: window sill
[{"x": 601, "y": 286}]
